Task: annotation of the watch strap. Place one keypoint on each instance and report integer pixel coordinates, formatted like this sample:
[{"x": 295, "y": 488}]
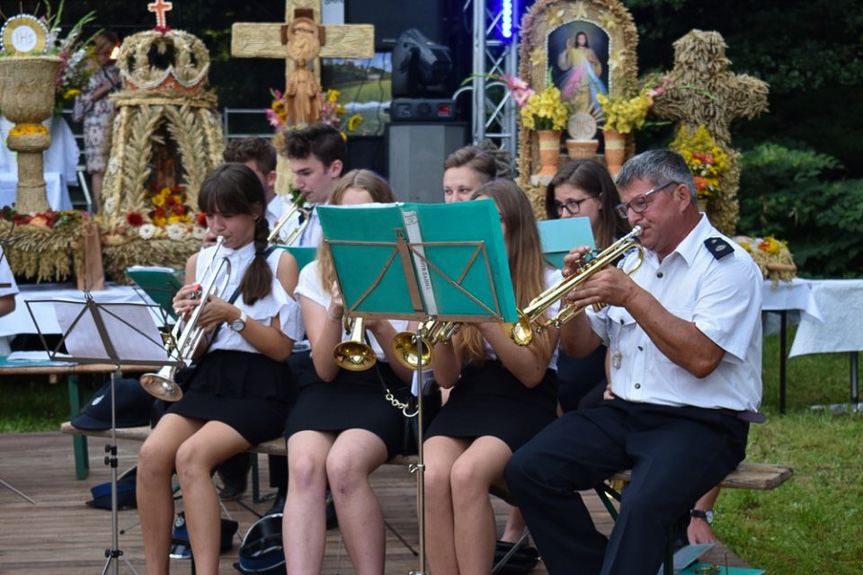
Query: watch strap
[{"x": 705, "y": 514}]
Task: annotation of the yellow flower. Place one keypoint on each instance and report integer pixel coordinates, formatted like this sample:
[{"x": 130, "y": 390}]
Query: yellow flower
[
  {"x": 770, "y": 245},
  {"x": 333, "y": 96},
  {"x": 159, "y": 220},
  {"x": 28, "y": 129},
  {"x": 158, "y": 200},
  {"x": 71, "y": 93},
  {"x": 545, "y": 111},
  {"x": 704, "y": 157},
  {"x": 354, "y": 122},
  {"x": 174, "y": 219},
  {"x": 625, "y": 115}
]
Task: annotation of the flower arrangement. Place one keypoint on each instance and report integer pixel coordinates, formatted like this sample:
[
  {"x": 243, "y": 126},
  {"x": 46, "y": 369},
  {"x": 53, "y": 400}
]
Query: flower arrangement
[
  {"x": 540, "y": 110},
  {"x": 169, "y": 207},
  {"x": 625, "y": 114},
  {"x": 705, "y": 158},
  {"x": 771, "y": 255},
  {"x": 333, "y": 112},
  {"x": 28, "y": 130},
  {"x": 49, "y": 220}
]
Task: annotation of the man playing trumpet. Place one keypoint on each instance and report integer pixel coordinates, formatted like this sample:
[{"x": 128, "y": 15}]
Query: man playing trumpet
[{"x": 684, "y": 337}]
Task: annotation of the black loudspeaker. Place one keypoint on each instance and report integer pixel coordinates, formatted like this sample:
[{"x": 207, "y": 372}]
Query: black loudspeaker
[
  {"x": 416, "y": 155},
  {"x": 391, "y": 19}
]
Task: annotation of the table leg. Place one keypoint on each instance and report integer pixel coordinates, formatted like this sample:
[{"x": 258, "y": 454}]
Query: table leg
[
  {"x": 855, "y": 391},
  {"x": 79, "y": 442},
  {"x": 783, "y": 334}
]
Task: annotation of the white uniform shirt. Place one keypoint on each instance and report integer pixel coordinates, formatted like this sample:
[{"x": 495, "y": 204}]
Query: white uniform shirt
[
  {"x": 278, "y": 206},
  {"x": 278, "y": 302},
  {"x": 309, "y": 286},
  {"x": 311, "y": 236},
  {"x": 721, "y": 296}
]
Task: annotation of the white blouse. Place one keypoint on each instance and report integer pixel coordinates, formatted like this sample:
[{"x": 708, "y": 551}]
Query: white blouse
[
  {"x": 277, "y": 303},
  {"x": 309, "y": 286}
]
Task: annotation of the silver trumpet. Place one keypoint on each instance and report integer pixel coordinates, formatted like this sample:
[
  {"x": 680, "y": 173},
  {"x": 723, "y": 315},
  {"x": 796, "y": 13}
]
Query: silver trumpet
[
  {"x": 300, "y": 206},
  {"x": 180, "y": 348}
]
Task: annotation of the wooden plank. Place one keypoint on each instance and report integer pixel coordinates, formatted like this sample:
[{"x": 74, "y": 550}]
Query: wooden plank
[{"x": 746, "y": 476}]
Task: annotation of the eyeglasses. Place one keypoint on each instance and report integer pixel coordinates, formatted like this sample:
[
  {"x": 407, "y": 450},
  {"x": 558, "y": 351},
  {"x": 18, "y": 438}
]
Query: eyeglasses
[
  {"x": 639, "y": 203},
  {"x": 572, "y": 206}
]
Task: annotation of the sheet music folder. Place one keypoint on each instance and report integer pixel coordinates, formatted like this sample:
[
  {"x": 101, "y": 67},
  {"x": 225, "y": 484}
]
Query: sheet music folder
[{"x": 410, "y": 261}]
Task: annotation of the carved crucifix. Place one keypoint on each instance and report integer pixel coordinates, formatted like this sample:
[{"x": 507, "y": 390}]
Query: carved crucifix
[{"x": 253, "y": 40}]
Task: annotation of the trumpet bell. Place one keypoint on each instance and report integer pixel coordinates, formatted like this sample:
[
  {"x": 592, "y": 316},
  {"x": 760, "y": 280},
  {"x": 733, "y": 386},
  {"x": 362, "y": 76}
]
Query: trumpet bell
[
  {"x": 354, "y": 356},
  {"x": 521, "y": 331},
  {"x": 161, "y": 385},
  {"x": 405, "y": 348}
]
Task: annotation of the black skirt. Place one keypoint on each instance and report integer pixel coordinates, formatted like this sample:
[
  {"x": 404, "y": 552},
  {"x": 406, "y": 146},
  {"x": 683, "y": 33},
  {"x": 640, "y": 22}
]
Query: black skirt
[
  {"x": 489, "y": 400},
  {"x": 247, "y": 391},
  {"x": 353, "y": 400}
]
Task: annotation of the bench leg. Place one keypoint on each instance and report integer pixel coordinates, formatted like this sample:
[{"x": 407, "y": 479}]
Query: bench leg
[
  {"x": 79, "y": 442},
  {"x": 256, "y": 479}
]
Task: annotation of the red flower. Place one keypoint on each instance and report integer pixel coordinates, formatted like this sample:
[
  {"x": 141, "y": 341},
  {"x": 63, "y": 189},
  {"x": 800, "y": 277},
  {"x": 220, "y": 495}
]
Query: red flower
[
  {"x": 201, "y": 218},
  {"x": 135, "y": 219},
  {"x": 178, "y": 209}
]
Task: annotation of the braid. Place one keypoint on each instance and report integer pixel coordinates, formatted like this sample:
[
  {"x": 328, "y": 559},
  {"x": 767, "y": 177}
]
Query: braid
[{"x": 258, "y": 280}]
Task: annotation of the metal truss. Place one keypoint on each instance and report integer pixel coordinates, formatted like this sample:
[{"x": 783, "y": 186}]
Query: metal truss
[{"x": 494, "y": 111}]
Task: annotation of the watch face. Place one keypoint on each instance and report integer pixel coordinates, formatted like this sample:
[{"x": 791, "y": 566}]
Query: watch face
[{"x": 709, "y": 516}]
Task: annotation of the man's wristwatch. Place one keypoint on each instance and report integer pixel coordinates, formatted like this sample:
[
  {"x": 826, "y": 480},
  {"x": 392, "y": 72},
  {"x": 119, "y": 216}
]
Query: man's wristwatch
[
  {"x": 239, "y": 324},
  {"x": 707, "y": 515}
]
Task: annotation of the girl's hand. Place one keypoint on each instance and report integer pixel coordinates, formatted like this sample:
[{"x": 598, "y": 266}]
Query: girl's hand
[
  {"x": 216, "y": 311},
  {"x": 337, "y": 305},
  {"x": 186, "y": 300}
]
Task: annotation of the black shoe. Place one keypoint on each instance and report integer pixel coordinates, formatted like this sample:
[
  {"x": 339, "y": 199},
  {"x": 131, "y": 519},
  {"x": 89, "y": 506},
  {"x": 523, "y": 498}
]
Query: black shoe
[
  {"x": 234, "y": 473},
  {"x": 278, "y": 505}
]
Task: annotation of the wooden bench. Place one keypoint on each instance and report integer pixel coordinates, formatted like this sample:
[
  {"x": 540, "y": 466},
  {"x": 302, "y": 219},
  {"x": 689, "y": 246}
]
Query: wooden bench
[
  {"x": 276, "y": 446},
  {"x": 764, "y": 476}
]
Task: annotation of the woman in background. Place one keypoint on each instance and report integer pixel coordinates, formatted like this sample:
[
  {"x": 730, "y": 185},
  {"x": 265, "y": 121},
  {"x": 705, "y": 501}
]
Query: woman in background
[
  {"x": 584, "y": 188},
  {"x": 96, "y": 110}
]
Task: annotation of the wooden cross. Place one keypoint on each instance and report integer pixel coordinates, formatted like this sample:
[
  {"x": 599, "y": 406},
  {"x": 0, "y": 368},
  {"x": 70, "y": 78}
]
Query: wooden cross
[
  {"x": 267, "y": 40},
  {"x": 705, "y": 92},
  {"x": 160, "y": 7}
]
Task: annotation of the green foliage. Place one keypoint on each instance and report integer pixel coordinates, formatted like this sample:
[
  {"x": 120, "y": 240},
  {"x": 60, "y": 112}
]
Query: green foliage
[{"x": 785, "y": 192}]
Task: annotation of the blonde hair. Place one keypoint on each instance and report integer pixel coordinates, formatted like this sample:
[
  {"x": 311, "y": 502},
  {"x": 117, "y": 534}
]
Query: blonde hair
[
  {"x": 527, "y": 266},
  {"x": 366, "y": 180}
]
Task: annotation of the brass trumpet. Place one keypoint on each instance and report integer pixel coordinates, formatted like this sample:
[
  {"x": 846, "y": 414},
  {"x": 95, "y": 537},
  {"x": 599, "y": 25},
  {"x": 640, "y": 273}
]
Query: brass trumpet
[
  {"x": 181, "y": 349},
  {"x": 354, "y": 354},
  {"x": 434, "y": 332},
  {"x": 530, "y": 319},
  {"x": 298, "y": 205}
]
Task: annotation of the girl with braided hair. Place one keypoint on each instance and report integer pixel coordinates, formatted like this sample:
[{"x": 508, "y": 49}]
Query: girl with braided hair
[{"x": 238, "y": 393}]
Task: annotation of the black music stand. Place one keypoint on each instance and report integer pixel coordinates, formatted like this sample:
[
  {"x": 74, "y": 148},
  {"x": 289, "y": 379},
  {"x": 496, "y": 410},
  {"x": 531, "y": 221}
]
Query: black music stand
[
  {"x": 435, "y": 275},
  {"x": 115, "y": 345}
]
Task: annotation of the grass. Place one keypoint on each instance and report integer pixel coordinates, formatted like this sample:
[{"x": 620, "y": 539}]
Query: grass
[{"x": 811, "y": 524}]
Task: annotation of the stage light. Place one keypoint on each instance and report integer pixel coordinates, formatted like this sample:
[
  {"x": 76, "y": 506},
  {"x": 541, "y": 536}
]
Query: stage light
[
  {"x": 420, "y": 67},
  {"x": 506, "y": 14}
]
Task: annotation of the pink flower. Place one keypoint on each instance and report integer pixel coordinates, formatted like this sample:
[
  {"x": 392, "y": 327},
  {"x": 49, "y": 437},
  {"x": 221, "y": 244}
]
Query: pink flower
[{"x": 521, "y": 92}]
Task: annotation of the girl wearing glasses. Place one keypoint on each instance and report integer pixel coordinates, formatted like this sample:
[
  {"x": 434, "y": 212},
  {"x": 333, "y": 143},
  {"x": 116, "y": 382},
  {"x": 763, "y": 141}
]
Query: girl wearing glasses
[{"x": 584, "y": 188}]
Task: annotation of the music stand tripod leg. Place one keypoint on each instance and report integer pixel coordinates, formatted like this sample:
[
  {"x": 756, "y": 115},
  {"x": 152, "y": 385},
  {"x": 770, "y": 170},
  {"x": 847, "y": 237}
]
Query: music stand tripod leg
[
  {"x": 18, "y": 492},
  {"x": 114, "y": 554}
]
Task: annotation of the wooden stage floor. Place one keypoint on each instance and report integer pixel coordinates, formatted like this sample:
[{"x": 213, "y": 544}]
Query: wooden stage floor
[{"x": 61, "y": 535}]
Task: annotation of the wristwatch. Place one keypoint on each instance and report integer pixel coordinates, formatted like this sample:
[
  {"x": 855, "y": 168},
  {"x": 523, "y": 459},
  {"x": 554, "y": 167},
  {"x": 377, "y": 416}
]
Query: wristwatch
[
  {"x": 239, "y": 324},
  {"x": 707, "y": 515}
]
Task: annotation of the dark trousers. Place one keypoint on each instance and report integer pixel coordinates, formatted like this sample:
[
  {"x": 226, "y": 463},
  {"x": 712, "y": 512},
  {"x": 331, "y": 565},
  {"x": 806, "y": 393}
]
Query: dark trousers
[{"x": 676, "y": 456}]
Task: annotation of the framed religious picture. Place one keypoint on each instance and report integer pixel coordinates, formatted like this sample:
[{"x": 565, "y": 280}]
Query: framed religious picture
[{"x": 584, "y": 48}]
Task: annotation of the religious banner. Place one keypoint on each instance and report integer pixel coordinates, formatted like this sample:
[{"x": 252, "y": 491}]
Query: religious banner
[{"x": 584, "y": 48}]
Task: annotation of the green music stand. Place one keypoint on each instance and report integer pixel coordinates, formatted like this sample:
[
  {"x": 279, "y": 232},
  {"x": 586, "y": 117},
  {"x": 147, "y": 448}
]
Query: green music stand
[{"x": 420, "y": 261}]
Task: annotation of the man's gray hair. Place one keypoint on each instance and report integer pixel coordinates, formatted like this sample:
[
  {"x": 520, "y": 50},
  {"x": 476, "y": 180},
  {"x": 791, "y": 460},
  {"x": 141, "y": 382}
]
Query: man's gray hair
[{"x": 658, "y": 167}]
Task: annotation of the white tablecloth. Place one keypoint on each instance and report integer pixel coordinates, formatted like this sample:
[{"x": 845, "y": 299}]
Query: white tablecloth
[
  {"x": 20, "y": 321},
  {"x": 60, "y": 164},
  {"x": 839, "y": 326}
]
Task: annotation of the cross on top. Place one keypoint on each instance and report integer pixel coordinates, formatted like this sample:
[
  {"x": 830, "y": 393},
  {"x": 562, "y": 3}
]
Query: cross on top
[{"x": 159, "y": 7}]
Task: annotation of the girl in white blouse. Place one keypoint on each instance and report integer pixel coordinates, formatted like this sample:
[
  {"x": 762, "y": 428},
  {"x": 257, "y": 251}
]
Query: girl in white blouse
[
  {"x": 238, "y": 393},
  {"x": 342, "y": 427}
]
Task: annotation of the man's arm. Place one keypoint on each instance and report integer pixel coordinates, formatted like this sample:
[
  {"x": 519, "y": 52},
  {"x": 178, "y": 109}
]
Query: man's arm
[
  {"x": 7, "y": 304},
  {"x": 678, "y": 339}
]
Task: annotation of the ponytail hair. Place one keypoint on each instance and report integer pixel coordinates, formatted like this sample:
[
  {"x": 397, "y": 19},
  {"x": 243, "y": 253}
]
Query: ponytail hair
[{"x": 234, "y": 188}]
